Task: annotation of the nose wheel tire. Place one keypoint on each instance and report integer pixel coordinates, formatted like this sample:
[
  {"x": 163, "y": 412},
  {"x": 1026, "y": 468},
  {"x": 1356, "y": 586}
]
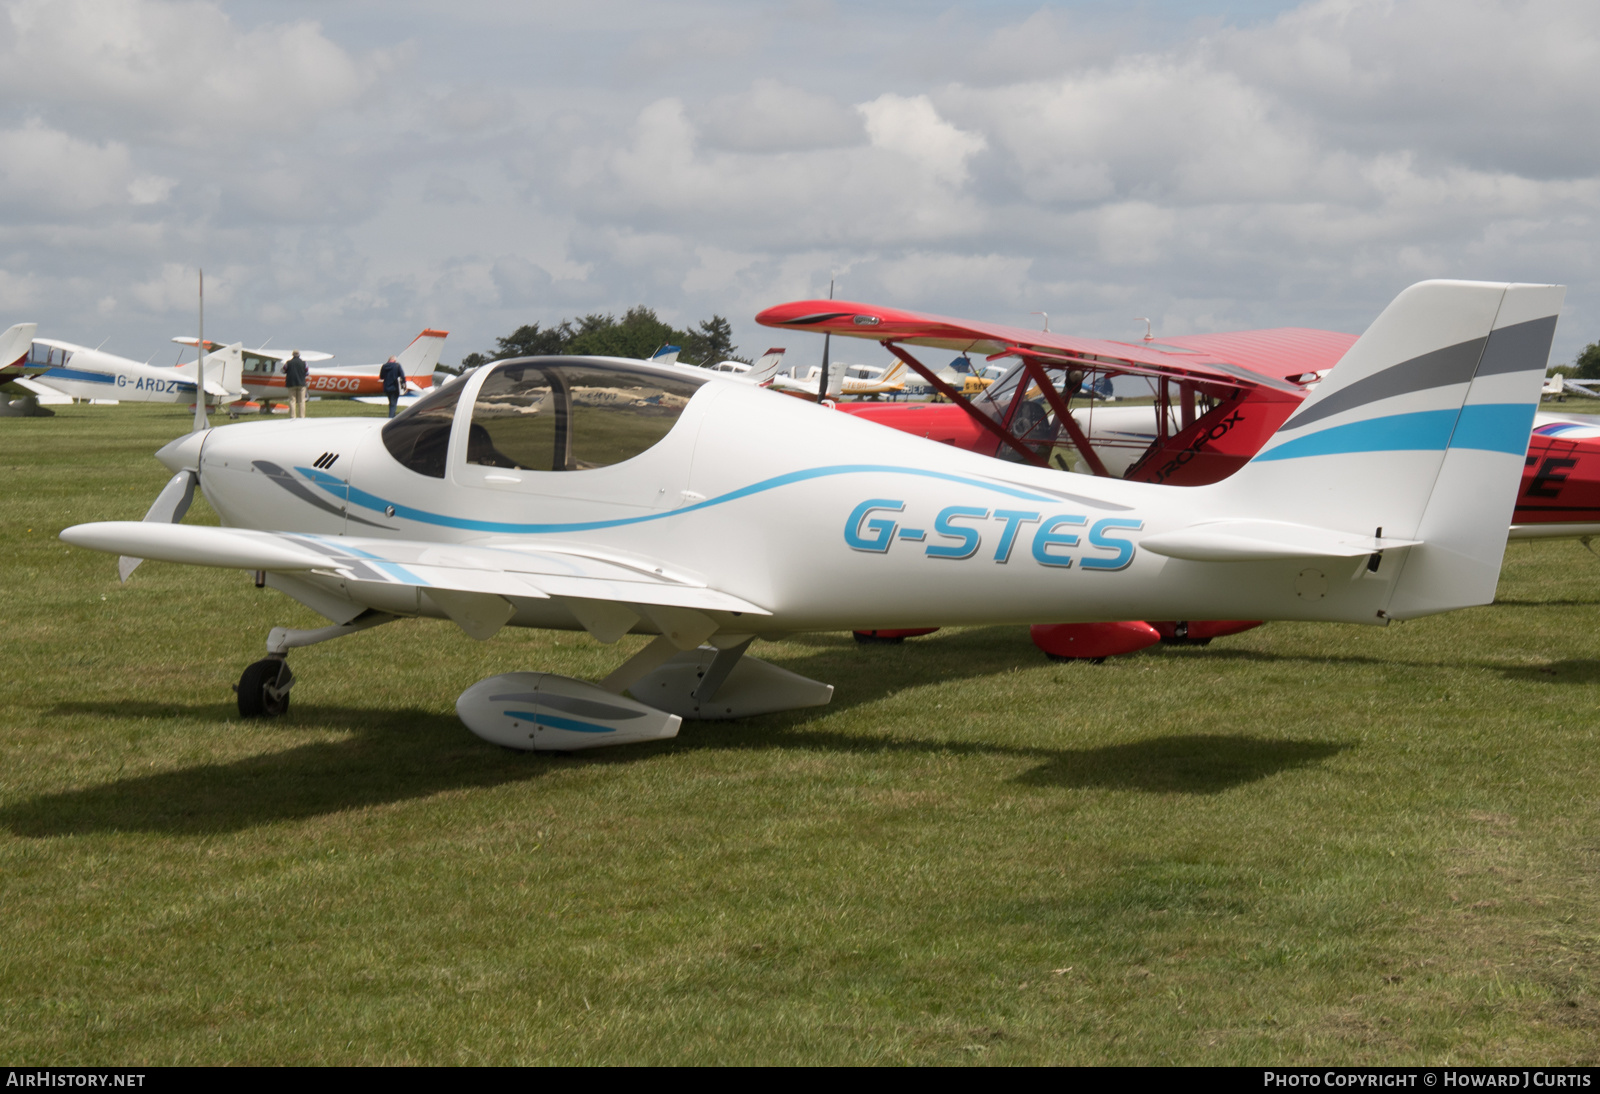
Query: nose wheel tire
[{"x": 264, "y": 689}]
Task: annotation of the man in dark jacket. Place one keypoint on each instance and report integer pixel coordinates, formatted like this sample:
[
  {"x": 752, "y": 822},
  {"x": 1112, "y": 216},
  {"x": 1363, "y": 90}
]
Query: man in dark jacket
[
  {"x": 394, "y": 382},
  {"x": 294, "y": 384}
]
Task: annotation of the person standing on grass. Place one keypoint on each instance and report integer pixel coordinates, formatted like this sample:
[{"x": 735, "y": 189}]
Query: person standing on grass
[
  {"x": 294, "y": 384},
  {"x": 394, "y": 382}
]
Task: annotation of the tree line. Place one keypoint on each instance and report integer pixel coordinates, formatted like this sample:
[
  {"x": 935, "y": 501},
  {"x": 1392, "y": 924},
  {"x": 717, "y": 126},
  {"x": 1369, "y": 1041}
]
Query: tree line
[
  {"x": 1585, "y": 367},
  {"x": 639, "y": 333}
]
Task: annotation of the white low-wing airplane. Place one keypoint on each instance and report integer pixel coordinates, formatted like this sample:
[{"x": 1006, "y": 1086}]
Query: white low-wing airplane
[
  {"x": 846, "y": 379},
  {"x": 617, "y": 496},
  {"x": 85, "y": 373}
]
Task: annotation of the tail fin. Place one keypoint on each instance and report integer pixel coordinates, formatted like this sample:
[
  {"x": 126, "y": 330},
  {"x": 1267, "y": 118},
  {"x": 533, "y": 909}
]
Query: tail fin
[
  {"x": 421, "y": 355},
  {"x": 1417, "y": 438},
  {"x": 666, "y": 355},
  {"x": 896, "y": 374},
  {"x": 836, "y": 373},
  {"x": 766, "y": 367},
  {"x": 15, "y": 344},
  {"x": 224, "y": 371},
  {"x": 232, "y": 376}
]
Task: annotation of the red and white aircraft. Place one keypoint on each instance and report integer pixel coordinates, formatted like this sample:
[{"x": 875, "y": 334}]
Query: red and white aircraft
[
  {"x": 263, "y": 370},
  {"x": 1218, "y": 398}
]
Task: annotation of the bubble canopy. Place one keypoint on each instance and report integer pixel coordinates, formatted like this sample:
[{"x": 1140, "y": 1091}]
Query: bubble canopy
[{"x": 546, "y": 414}]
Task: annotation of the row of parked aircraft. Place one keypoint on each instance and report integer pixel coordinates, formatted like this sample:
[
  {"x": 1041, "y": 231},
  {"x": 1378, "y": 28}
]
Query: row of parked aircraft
[
  {"x": 47, "y": 367},
  {"x": 1324, "y": 477}
]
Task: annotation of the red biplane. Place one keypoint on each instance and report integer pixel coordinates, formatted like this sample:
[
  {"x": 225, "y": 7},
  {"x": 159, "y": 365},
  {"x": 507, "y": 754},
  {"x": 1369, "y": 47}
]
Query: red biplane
[{"x": 1216, "y": 400}]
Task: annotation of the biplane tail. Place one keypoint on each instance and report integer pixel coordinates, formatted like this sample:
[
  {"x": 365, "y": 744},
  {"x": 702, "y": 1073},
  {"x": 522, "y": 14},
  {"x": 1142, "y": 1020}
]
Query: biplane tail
[{"x": 1417, "y": 440}]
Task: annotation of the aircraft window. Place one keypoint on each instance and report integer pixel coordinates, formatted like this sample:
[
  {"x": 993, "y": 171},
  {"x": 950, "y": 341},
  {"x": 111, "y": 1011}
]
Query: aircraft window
[
  {"x": 45, "y": 356},
  {"x": 572, "y": 417},
  {"x": 420, "y": 436}
]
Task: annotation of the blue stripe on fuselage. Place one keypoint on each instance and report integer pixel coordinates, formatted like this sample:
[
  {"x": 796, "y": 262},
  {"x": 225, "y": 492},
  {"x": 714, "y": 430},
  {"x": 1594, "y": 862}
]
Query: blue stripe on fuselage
[
  {"x": 355, "y": 496},
  {"x": 77, "y": 374}
]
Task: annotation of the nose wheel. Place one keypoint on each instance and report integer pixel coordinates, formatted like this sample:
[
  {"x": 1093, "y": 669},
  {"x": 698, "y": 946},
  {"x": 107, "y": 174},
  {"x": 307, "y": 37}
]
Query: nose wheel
[{"x": 264, "y": 688}]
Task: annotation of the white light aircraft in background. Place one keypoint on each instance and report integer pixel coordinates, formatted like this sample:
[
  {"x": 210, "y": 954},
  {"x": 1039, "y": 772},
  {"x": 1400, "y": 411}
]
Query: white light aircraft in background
[
  {"x": 845, "y": 380},
  {"x": 53, "y": 366},
  {"x": 760, "y": 372},
  {"x": 618, "y": 496}
]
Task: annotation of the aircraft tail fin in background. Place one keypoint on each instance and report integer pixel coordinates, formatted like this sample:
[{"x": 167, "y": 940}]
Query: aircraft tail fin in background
[
  {"x": 16, "y": 343},
  {"x": 419, "y": 358},
  {"x": 232, "y": 374},
  {"x": 1415, "y": 441},
  {"x": 836, "y": 380},
  {"x": 766, "y": 367},
  {"x": 224, "y": 371}
]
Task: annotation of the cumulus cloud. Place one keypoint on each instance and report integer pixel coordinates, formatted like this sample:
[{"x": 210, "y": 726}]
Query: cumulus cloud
[
  {"x": 1494, "y": 86},
  {"x": 776, "y": 117},
  {"x": 912, "y": 128},
  {"x": 182, "y": 73},
  {"x": 905, "y": 183},
  {"x": 47, "y": 171}
]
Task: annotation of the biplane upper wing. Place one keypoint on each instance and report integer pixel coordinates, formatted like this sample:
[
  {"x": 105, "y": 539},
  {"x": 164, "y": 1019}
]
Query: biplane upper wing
[{"x": 1272, "y": 358}]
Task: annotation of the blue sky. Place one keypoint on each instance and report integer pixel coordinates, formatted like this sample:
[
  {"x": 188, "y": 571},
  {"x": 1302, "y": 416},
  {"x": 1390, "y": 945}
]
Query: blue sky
[{"x": 349, "y": 173}]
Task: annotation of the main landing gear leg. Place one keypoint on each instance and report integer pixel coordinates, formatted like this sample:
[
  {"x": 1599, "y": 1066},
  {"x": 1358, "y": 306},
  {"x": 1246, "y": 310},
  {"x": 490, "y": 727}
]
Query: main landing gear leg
[{"x": 264, "y": 687}]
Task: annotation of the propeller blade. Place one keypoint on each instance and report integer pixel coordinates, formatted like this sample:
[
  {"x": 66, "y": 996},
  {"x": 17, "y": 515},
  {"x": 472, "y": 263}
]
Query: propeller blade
[{"x": 168, "y": 508}]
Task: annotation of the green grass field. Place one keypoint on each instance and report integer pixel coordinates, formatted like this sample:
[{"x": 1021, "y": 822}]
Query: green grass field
[{"x": 1315, "y": 844}]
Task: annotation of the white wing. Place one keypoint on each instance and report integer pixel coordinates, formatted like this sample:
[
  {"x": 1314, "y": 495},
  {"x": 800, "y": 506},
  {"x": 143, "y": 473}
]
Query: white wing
[{"x": 499, "y": 571}]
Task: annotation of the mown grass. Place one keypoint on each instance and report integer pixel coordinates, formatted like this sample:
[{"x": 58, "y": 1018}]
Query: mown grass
[{"x": 1301, "y": 844}]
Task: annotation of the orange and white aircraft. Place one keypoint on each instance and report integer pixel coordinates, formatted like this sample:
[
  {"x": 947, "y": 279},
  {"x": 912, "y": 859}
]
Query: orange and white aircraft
[{"x": 263, "y": 370}]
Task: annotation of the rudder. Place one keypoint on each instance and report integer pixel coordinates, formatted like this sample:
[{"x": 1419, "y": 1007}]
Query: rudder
[{"x": 1417, "y": 436}]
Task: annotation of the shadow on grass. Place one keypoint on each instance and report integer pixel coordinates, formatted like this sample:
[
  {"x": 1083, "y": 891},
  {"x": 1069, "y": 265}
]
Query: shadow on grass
[
  {"x": 1187, "y": 764},
  {"x": 1579, "y": 671},
  {"x": 397, "y": 755},
  {"x": 1194, "y": 764},
  {"x": 410, "y": 754},
  {"x": 394, "y": 756}
]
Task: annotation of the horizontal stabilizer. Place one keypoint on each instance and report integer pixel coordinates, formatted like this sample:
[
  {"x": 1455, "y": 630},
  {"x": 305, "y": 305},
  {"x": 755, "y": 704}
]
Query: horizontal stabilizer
[
  {"x": 47, "y": 395},
  {"x": 1263, "y": 541}
]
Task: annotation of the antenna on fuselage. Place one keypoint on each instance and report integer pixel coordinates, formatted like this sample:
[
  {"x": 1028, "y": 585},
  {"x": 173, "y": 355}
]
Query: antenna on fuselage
[
  {"x": 200, "y": 419},
  {"x": 827, "y": 339}
]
